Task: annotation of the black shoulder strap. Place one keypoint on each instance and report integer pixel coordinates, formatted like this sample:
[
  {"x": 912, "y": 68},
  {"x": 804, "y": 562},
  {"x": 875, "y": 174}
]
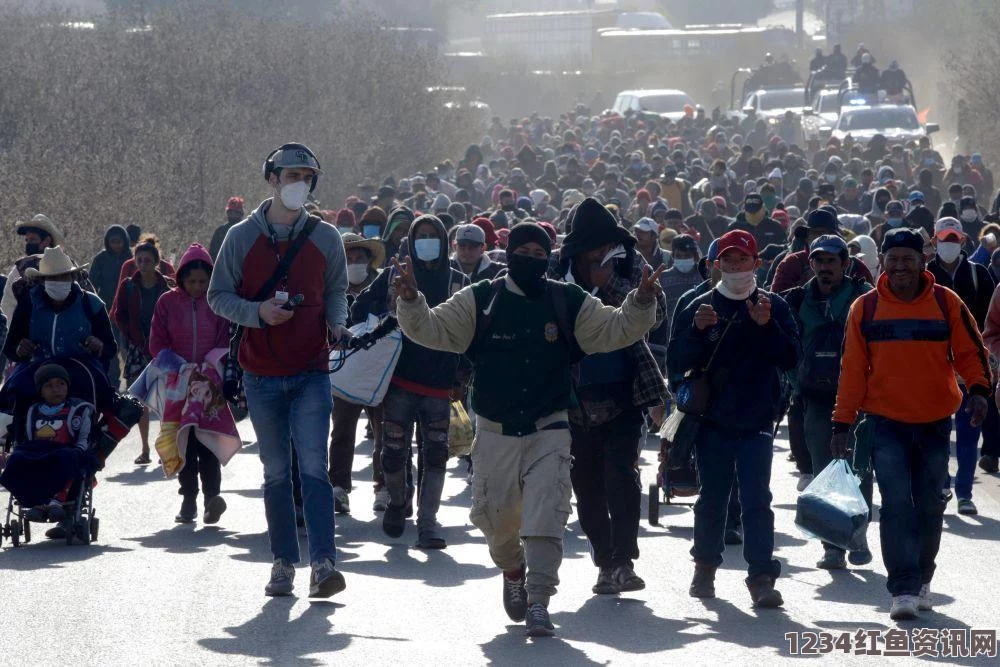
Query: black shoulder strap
[
  {"x": 286, "y": 262},
  {"x": 557, "y": 296}
]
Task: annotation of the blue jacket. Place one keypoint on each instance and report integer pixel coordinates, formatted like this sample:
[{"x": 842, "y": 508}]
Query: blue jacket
[{"x": 746, "y": 391}]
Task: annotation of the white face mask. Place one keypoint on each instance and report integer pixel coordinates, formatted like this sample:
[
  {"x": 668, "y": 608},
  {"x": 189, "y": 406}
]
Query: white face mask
[
  {"x": 294, "y": 195},
  {"x": 948, "y": 251},
  {"x": 356, "y": 273},
  {"x": 58, "y": 290},
  {"x": 739, "y": 285},
  {"x": 969, "y": 215},
  {"x": 427, "y": 250},
  {"x": 684, "y": 265}
]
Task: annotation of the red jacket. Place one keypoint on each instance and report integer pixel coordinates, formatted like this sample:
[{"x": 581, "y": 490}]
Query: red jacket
[
  {"x": 127, "y": 309},
  {"x": 184, "y": 325}
]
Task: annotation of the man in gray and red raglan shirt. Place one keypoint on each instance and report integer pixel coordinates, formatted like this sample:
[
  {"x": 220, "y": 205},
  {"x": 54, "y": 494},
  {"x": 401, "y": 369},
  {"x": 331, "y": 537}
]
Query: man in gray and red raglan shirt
[{"x": 285, "y": 357}]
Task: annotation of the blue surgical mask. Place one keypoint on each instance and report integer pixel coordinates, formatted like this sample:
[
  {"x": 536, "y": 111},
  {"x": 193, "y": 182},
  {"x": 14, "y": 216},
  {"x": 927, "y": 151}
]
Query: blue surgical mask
[
  {"x": 427, "y": 250},
  {"x": 894, "y": 222},
  {"x": 371, "y": 231}
]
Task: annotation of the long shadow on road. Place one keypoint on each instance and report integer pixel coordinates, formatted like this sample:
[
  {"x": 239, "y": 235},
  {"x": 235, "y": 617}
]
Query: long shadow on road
[
  {"x": 440, "y": 570},
  {"x": 185, "y": 539},
  {"x": 51, "y": 554}
]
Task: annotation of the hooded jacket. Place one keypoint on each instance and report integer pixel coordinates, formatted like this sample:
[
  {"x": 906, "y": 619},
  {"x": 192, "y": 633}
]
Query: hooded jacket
[
  {"x": 765, "y": 232},
  {"x": 127, "y": 309},
  {"x": 975, "y": 293},
  {"x": 107, "y": 266},
  {"x": 187, "y": 326},
  {"x": 398, "y": 216}
]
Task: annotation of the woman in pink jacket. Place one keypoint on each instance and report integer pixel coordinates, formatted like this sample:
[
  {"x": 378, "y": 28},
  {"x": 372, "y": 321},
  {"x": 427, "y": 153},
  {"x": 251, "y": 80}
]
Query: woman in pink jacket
[{"x": 184, "y": 324}]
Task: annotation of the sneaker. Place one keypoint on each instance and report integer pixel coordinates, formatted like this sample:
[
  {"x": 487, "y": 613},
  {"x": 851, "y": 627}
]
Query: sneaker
[
  {"x": 282, "y": 578},
  {"x": 862, "y": 555},
  {"x": 515, "y": 598},
  {"x": 626, "y": 578},
  {"x": 341, "y": 501},
  {"x": 966, "y": 506},
  {"x": 606, "y": 584},
  {"x": 189, "y": 509},
  {"x": 325, "y": 581},
  {"x": 904, "y": 608},
  {"x": 924, "y": 600},
  {"x": 430, "y": 538},
  {"x": 947, "y": 495},
  {"x": 762, "y": 592},
  {"x": 734, "y": 536},
  {"x": 538, "y": 623},
  {"x": 703, "y": 584},
  {"x": 381, "y": 500},
  {"x": 804, "y": 481},
  {"x": 989, "y": 463},
  {"x": 57, "y": 532},
  {"x": 215, "y": 507},
  {"x": 394, "y": 520},
  {"x": 833, "y": 559}
]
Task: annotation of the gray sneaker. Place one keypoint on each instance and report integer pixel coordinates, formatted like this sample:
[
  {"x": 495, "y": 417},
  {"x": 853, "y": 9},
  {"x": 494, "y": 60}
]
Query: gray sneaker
[
  {"x": 341, "y": 501},
  {"x": 904, "y": 608},
  {"x": 537, "y": 622},
  {"x": 325, "y": 580},
  {"x": 282, "y": 578},
  {"x": 924, "y": 602}
]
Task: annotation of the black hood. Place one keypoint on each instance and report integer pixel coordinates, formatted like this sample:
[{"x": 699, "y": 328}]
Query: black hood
[
  {"x": 117, "y": 230},
  {"x": 432, "y": 281}
]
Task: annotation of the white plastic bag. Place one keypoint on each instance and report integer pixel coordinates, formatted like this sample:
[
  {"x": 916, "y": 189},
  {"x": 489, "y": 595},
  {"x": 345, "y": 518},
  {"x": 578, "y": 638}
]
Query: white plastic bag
[
  {"x": 832, "y": 507},
  {"x": 364, "y": 377}
]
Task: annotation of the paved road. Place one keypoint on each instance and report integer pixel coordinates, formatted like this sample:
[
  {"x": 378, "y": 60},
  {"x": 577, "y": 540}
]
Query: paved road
[{"x": 151, "y": 591}]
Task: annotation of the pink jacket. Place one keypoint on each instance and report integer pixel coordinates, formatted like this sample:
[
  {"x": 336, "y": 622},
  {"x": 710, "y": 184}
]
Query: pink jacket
[{"x": 185, "y": 325}]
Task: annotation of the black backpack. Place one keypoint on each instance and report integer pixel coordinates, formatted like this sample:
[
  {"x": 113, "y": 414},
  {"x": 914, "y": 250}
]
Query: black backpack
[{"x": 819, "y": 370}]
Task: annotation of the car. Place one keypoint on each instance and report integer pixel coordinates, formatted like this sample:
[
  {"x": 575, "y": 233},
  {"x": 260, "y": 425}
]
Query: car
[
  {"x": 771, "y": 104},
  {"x": 896, "y": 122},
  {"x": 819, "y": 119},
  {"x": 667, "y": 103}
]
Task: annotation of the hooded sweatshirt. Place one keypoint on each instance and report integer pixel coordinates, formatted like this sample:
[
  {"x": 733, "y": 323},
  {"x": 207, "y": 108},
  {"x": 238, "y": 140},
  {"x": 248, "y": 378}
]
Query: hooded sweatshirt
[
  {"x": 247, "y": 260},
  {"x": 398, "y": 216},
  {"x": 187, "y": 326},
  {"x": 107, "y": 266}
]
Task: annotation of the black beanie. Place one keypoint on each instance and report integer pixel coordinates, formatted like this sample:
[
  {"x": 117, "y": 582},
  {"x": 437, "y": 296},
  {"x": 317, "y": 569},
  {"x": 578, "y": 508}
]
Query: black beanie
[
  {"x": 526, "y": 232},
  {"x": 593, "y": 226},
  {"x": 50, "y": 372}
]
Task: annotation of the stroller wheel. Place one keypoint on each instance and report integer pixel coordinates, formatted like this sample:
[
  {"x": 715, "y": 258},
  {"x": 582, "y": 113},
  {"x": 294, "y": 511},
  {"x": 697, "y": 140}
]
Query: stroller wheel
[
  {"x": 95, "y": 526},
  {"x": 83, "y": 530},
  {"x": 654, "y": 505},
  {"x": 27, "y": 532},
  {"x": 15, "y": 533}
]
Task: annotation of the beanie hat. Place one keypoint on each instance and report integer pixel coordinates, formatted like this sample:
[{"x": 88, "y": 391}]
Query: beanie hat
[
  {"x": 375, "y": 215},
  {"x": 50, "y": 372},
  {"x": 487, "y": 226},
  {"x": 902, "y": 237},
  {"x": 234, "y": 204},
  {"x": 345, "y": 218},
  {"x": 526, "y": 232},
  {"x": 593, "y": 225},
  {"x": 457, "y": 211}
]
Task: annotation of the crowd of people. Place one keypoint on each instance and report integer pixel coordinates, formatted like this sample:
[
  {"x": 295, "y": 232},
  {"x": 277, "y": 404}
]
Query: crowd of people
[{"x": 573, "y": 282}]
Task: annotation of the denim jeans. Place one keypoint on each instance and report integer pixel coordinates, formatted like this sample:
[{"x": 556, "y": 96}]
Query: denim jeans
[
  {"x": 720, "y": 454},
  {"x": 991, "y": 430},
  {"x": 911, "y": 466},
  {"x": 966, "y": 449},
  {"x": 286, "y": 410}
]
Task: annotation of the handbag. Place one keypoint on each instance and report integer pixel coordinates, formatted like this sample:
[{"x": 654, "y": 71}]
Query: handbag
[
  {"x": 363, "y": 377},
  {"x": 694, "y": 394}
]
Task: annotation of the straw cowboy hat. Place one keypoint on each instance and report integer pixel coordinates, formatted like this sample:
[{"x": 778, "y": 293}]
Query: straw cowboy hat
[
  {"x": 373, "y": 246},
  {"x": 41, "y": 223},
  {"x": 55, "y": 262}
]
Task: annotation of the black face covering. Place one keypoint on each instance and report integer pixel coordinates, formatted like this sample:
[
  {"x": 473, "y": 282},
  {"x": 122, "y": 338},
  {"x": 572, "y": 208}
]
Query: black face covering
[
  {"x": 528, "y": 273},
  {"x": 31, "y": 249}
]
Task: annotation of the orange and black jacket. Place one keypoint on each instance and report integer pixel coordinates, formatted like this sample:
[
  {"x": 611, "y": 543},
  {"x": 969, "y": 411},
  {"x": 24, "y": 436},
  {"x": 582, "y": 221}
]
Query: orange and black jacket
[{"x": 900, "y": 358}]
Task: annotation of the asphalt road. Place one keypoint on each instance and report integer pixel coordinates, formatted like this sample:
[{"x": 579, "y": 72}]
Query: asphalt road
[{"x": 153, "y": 592}]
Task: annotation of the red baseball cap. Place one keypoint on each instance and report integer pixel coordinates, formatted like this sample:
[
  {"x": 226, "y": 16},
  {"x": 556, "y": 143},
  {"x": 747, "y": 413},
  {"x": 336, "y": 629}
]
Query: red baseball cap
[
  {"x": 234, "y": 204},
  {"x": 740, "y": 240}
]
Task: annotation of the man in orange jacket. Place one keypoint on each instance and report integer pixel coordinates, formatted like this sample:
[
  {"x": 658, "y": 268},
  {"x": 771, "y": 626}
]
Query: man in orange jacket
[{"x": 904, "y": 343}]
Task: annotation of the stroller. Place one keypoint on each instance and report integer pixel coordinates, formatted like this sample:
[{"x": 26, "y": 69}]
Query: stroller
[
  {"x": 112, "y": 418},
  {"x": 674, "y": 483}
]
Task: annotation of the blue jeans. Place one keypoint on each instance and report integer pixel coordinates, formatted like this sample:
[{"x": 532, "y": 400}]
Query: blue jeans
[
  {"x": 966, "y": 450},
  {"x": 285, "y": 410},
  {"x": 720, "y": 454},
  {"x": 911, "y": 465}
]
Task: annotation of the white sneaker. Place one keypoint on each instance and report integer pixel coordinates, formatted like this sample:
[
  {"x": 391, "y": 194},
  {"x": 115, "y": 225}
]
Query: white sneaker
[
  {"x": 924, "y": 601},
  {"x": 804, "y": 481},
  {"x": 341, "y": 501},
  {"x": 381, "y": 500},
  {"x": 904, "y": 608}
]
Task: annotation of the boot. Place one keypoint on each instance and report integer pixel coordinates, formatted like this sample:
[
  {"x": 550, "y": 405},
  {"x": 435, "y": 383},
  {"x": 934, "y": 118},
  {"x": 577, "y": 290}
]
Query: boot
[
  {"x": 189, "y": 509},
  {"x": 763, "y": 593},
  {"x": 428, "y": 529},
  {"x": 703, "y": 584}
]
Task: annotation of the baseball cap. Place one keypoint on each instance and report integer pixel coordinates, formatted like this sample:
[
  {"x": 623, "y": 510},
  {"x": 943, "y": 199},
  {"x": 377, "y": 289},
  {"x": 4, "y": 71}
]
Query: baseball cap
[
  {"x": 684, "y": 243},
  {"x": 903, "y": 237},
  {"x": 647, "y": 225},
  {"x": 946, "y": 228},
  {"x": 830, "y": 243},
  {"x": 470, "y": 234},
  {"x": 739, "y": 240},
  {"x": 916, "y": 196},
  {"x": 895, "y": 207}
]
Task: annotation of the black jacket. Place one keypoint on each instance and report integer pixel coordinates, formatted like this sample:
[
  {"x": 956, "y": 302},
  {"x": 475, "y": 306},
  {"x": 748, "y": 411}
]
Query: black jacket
[
  {"x": 768, "y": 231},
  {"x": 976, "y": 294}
]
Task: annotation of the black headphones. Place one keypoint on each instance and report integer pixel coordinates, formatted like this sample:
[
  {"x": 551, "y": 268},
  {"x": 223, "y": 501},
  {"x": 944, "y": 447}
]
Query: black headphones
[{"x": 269, "y": 167}]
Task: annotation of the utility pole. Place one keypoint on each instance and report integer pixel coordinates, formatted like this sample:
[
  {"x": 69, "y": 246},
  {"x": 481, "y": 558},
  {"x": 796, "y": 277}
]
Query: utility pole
[{"x": 800, "y": 10}]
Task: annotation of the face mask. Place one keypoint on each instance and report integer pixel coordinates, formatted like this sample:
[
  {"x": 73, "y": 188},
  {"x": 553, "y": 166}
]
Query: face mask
[
  {"x": 969, "y": 215},
  {"x": 356, "y": 273},
  {"x": 58, "y": 290},
  {"x": 427, "y": 250},
  {"x": 739, "y": 285},
  {"x": 528, "y": 273},
  {"x": 957, "y": 169},
  {"x": 345, "y": 230},
  {"x": 830, "y": 178},
  {"x": 684, "y": 265},
  {"x": 370, "y": 231},
  {"x": 894, "y": 222},
  {"x": 770, "y": 201},
  {"x": 293, "y": 196},
  {"x": 31, "y": 249},
  {"x": 948, "y": 251}
]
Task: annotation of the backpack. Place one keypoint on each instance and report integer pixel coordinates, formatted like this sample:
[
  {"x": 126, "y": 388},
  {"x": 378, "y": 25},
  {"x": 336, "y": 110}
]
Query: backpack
[
  {"x": 819, "y": 370},
  {"x": 871, "y": 330},
  {"x": 556, "y": 295}
]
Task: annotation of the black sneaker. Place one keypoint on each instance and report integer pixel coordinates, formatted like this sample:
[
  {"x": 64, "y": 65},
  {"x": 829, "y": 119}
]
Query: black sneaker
[
  {"x": 538, "y": 623},
  {"x": 394, "y": 520},
  {"x": 57, "y": 532},
  {"x": 734, "y": 536},
  {"x": 515, "y": 598},
  {"x": 703, "y": 583},
  {"x": 325, "y": 581},
  {"x": 989, "y": 463},
  {"x": 189, "y": 509},
  {"x": 606, "y": 584},
  {"x": 214, "y": 509}
]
